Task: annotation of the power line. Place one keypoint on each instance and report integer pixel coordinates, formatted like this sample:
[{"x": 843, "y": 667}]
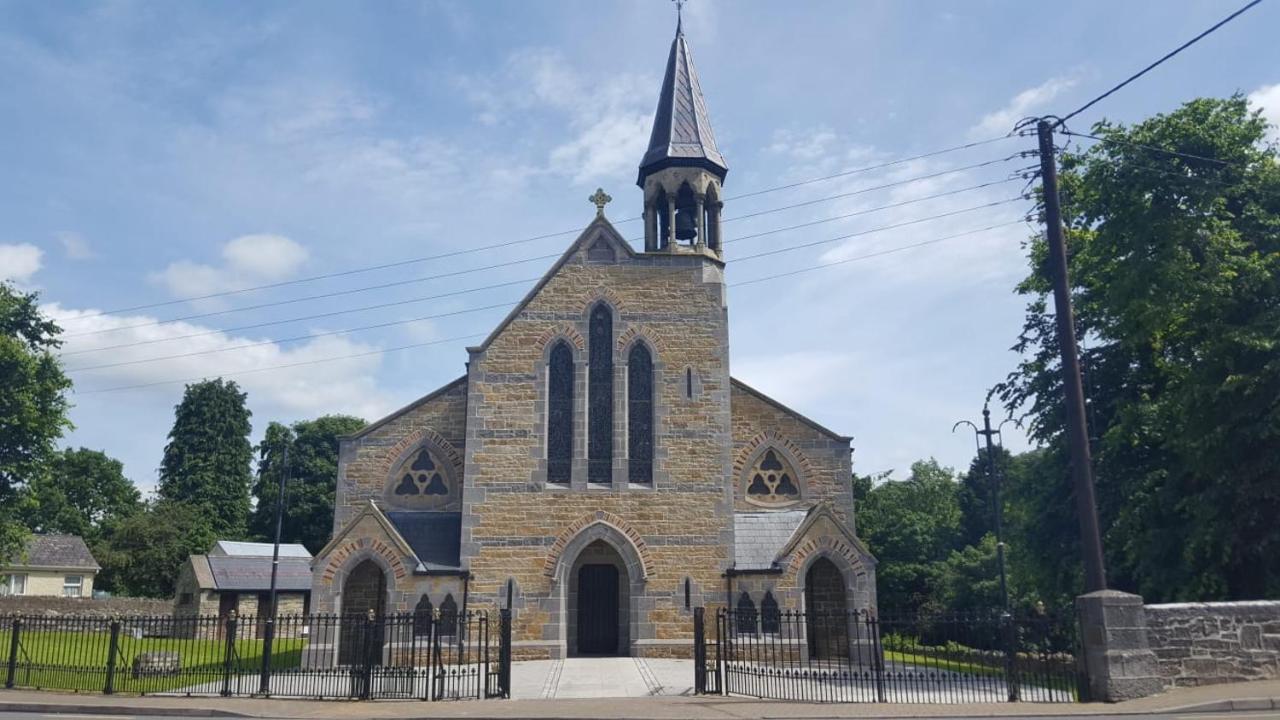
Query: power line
[
  {"x": 392, "y": 323},
  {"x": 384, "y": 351},
  {"x": 1153, "y": 65},
  {"x": 456, "y": 273},
  {"x": 510, "y": 243},
  {"x": 1174, "y": 153}
]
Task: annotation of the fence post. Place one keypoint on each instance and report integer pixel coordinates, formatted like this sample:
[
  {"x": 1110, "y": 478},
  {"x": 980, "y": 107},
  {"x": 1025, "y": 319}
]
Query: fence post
[
  {"x": 264, "y": 676},
  {"x": 12, "y": 675},
  {"x": 504, "y": 652},
  {"x": 113, "y": 648},
  {"x": 722, "y": 653},
  {"x": 228, "y": 653},
  {"x": 699, "y": 651},
  {"x": 1010, "y": 632},
  {"x": 877, "y": 654},
  {"x": 369, "y": 627}
]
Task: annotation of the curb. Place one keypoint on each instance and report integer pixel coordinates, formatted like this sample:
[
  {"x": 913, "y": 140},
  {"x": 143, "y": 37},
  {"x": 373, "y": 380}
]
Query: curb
[
  {"x": 1239, "y": 704},
  {"x": 70, "y": 709}
]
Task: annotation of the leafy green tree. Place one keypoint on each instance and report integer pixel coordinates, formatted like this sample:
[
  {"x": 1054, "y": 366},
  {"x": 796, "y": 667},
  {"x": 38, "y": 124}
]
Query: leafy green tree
[
  {"x": 207, "y": 462},
  {"x": 33, "y": 404},
  {"x": 312, "y": 478},
  {"x": 1175, "y": 270},
  {"x": 911, "y": 526},
  {"x": 976, "y": 496},
  {"x": 84, "y": 490},
  {"x": 969, "y": 578},
  {"x": 142, "y": 553}
]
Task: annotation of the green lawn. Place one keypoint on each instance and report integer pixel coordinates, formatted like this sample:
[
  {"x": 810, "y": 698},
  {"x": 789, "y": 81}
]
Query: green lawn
[{"x": 78, "y": 661}]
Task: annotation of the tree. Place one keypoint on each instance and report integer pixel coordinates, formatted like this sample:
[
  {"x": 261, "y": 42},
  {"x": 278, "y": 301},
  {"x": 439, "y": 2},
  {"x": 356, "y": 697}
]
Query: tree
[
  {"x": 207, "y": 462},
  {"x": 1175, "y": 271},
  {"x": 84, "y": 490},
  {"x": 33, "y": 404},
  {"x": 313, "y": 475},
  {"x": 911, "y": 526},
  {"x": 142, "y": 553},
  {"x": 976, "y": 496}
]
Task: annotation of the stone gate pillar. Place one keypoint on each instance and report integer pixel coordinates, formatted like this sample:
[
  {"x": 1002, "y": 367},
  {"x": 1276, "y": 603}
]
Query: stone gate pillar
[{"x": 1116, "y": 660}]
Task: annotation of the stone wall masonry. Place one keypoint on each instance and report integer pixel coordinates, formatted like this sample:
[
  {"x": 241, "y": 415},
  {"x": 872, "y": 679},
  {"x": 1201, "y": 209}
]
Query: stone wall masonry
[
  {"x": 1216, "y": 642},
  {"x": 83, "y": 607}
]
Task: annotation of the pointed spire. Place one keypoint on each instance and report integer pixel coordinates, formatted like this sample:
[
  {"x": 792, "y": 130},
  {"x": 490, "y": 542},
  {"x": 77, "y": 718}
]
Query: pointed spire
[{"x": 681, "y": 126}]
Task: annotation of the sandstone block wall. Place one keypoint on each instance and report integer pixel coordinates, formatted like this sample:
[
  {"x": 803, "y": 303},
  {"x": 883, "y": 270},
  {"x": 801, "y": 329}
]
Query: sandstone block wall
[
  {"x": 82, "y": 607},
  {"x": 1218, "y": 642}
]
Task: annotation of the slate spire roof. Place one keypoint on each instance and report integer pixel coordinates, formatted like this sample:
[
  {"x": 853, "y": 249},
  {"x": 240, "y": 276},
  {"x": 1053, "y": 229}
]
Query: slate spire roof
[{"x": 681, "y": 126}]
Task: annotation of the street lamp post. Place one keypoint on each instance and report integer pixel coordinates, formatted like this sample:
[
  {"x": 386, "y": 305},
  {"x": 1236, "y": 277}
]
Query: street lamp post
[{"x": 269, "y": 630}]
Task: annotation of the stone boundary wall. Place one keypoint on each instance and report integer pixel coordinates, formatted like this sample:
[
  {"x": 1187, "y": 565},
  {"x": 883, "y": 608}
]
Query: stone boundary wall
[
  {"x": 82, "y": 607},
  {"x": 1217, "y": 642}
]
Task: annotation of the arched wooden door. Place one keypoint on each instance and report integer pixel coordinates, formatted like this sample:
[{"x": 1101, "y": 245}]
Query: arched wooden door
[{"x": 365, "y": 589}]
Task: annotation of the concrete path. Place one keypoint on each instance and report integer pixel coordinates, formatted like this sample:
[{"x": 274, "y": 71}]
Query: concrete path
[{"x": 621, "y": 677}]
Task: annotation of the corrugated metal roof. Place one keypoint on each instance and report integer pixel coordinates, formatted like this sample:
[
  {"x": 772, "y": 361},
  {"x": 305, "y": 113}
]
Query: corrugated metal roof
[
  {"x": 60, "y": 551},
  {"x": 436, "y": 537},
  {"x": 238, "y": 548},
  {"x": 254, "y": 573},
  {"x": 681, "y": 125},
  {"x": 758, "y": 537}
]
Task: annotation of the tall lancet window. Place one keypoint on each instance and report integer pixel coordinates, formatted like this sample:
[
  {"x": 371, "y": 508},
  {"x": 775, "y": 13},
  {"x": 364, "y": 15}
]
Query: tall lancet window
[
  {"x": 640, "y": 415},
  {"x": 560, "y": 413},
  {"x": 600, "y": 397}
]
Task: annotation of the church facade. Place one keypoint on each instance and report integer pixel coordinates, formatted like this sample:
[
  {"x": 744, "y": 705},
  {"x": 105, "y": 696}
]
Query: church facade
[{"x": 597, "y": 469}]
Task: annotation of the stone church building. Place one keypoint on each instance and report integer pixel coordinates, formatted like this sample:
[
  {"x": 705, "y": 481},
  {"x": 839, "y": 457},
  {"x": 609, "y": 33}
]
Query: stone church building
[{"x": 597, "y": 469}]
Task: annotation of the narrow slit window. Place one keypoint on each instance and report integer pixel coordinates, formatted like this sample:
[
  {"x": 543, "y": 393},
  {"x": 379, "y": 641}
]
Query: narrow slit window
[{"x": 688, "y": 383}]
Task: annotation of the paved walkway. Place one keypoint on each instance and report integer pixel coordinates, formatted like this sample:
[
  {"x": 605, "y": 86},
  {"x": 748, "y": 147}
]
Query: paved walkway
[
  {"x": 1263, "y": 695},
  {"x": 622, "y": 677}
]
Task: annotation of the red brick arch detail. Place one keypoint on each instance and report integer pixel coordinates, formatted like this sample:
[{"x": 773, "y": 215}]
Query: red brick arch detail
[
  {"x": 563, "y": 330},
  {"x": 582, "y": 523},
  {"x": 363, "y": 546},
  {"x": 825, "y": 545},
  {"x": 606, "y": 294},
  {"x": 771, "y": 439},
  {"x": 413, "y": 439},
  {"x": 629, "y": 336}
]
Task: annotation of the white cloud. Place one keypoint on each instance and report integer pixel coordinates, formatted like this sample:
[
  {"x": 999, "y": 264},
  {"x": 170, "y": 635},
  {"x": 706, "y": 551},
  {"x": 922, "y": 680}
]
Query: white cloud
[
  {"x": 247, "y": 259},
  {"x": 1025, "y": 103},
  {"x": 789, "y": 377},
  {"x": 1267, "y": 99},
  {"x": 19, "y": 262},
  {"x": 345, "y": 386},
  {"x": 74, "y": 245}
]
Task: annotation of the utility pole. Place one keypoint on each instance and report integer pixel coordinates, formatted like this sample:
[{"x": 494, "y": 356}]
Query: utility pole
[
  {"x": 1095, "y": 576},
  {"x": 270, "y": 629}
]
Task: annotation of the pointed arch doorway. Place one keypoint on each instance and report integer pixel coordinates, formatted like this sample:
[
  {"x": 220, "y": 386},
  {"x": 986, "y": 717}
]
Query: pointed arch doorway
[
  {"x": 827, "y": 608},
  {"x": 364, "y": 590},
  {"x": 599, "y": 602}
]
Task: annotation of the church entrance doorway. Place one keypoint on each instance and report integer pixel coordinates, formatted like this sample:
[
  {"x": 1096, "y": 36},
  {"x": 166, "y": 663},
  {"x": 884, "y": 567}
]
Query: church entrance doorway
[
  {"x": 826, "y": 608},
  {"x": 598, "y": 602},
  {"x": 365, "y": 589}
]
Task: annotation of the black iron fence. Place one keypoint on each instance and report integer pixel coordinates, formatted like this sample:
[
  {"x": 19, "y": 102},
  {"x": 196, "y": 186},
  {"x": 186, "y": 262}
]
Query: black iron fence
[
  {"x": 406, "y": 656},
  {"x": 887, "y": 657}
]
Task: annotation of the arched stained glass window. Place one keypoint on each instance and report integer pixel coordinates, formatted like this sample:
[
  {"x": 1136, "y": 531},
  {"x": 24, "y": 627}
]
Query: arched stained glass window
[
  {"x": 560, "y": 413},
  {"x": 600, "y": 397},
  {"x": 448, "y": 616},
  {"x": 422, "y": 616},
  {"x": 772, "y": 480},
  {"x": 746, "y": 614},
  {"x": 770, "y": 616},
  {"x": 640, "y": 415}
]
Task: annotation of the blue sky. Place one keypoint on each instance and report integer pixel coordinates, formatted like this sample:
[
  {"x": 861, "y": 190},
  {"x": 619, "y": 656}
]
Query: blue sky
[{"x": 158, "y": 151}]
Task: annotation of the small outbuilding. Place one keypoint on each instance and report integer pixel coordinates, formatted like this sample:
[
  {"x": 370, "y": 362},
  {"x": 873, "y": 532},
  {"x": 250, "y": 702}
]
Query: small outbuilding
[
  {"x": 237, "y": 576},
  {"x": 51, "y": 566}
]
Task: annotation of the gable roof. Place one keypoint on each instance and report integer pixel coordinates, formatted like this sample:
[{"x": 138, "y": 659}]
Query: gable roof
[
  {"x": 407, "y": 408},
  {"x": 237, "y": 548},
  {"x": 758, "y": 537},
  {"x": 807, "y": 421},
  {"x": 56, "y": 551},
  {"x": 599, "y": 227},
  {"x": 253, "y": 573},
  {"x": 818, "y": 512},
  {"x": 681, "y": 125}
]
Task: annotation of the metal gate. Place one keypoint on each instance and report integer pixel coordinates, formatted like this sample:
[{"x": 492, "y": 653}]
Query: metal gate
[{"x": 907, "y": 657}]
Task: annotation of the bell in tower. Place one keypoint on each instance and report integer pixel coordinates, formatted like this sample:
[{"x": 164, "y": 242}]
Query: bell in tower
[{"x": 682, "y": 171}]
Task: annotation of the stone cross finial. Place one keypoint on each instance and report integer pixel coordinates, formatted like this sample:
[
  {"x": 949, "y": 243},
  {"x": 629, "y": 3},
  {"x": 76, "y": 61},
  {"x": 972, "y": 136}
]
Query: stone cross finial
[{"x": 600, "y": 199}]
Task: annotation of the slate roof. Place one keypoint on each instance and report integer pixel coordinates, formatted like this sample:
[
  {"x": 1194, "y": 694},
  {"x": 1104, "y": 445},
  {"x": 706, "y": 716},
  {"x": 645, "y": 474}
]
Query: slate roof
[
  {"x": 681, "y": 125},
  {"x": 435, "y": 537},
  {"x": 758, "y": 537},
  {"x": 256, "y": 549},
  {"x": 57, "y": 551},
  {"x": 243, "y": 574}
]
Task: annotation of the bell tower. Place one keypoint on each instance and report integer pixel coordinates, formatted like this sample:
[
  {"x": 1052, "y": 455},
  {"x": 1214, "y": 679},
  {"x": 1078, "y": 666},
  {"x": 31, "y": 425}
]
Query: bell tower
[{"x": 683, "y": 171}]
